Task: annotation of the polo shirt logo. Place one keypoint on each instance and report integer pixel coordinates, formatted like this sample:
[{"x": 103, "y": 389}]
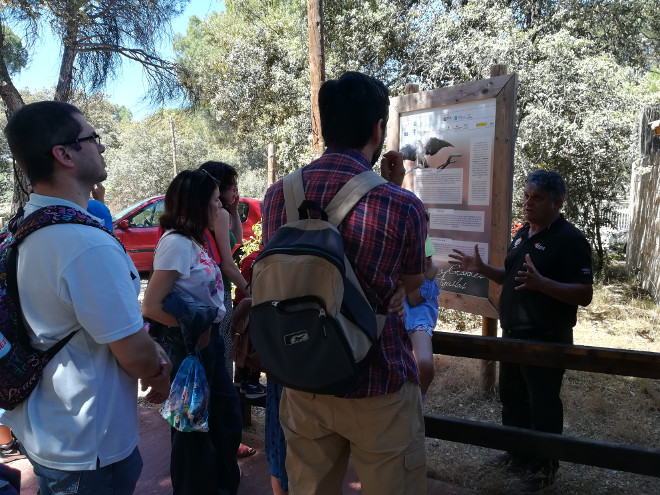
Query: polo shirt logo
[
  {"x": 518, "y": 241},
  {"x": 539, "y": 246}
]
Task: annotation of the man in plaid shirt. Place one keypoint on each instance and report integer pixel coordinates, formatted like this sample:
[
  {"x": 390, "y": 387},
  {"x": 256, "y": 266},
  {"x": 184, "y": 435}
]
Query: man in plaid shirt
[{"x": 380, "y": 424}]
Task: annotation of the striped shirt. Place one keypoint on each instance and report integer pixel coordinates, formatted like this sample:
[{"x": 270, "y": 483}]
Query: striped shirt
[{"x": 383, "y": 238}]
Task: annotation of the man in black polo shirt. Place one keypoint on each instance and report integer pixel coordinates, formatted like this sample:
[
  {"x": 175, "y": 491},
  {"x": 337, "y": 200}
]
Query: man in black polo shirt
[{"x": 546, "y": 275}]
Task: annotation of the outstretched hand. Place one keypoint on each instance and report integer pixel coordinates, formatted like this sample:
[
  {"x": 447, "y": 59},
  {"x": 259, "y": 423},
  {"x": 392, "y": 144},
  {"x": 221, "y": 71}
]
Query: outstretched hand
[
  {"x": 529, "y": 277},
  {"x": 465, "y": 262}
]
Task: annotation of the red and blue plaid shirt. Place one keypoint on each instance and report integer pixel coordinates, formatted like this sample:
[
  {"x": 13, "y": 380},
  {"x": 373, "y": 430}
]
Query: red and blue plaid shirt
[{"x": 383, "y": 238}]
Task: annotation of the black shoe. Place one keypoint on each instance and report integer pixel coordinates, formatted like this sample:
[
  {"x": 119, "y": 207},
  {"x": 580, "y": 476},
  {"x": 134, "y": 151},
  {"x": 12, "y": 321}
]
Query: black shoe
[
  {"x": 253, "y": 391},
  {"x": 9, "y": 452},
  {"x": 510, "y": 462},
  {"x": 537, "y": 482}
]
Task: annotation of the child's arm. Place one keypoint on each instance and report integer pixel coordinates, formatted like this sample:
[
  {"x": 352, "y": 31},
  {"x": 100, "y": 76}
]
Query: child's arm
[
  {"x": 415, "y": 298},
  {"x": 431, "y": 273}
]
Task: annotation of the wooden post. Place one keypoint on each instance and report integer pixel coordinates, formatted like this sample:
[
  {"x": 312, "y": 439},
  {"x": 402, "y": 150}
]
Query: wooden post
[
  {"x": 173, "y": 146},
  {"x": 272, "y": 164},
  {"x": 498, "y": 70},
  {"x": 488, "y": 368},
  {"x": 489, "y": 325},
  {"x": 316, "y": 69},
  {"x": 411, "y": 88}
]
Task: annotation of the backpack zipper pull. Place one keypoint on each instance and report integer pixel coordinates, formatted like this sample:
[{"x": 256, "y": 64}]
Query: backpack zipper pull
[{"x": 322, "y": 315}]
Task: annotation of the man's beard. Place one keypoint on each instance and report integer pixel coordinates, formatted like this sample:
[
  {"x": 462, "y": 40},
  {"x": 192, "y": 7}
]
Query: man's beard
[{"x": 378, "y": 151}]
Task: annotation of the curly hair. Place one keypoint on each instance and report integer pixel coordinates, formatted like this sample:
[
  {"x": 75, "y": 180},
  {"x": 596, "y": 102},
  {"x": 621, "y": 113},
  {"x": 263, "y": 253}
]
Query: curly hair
[{"x": 224, "y": 175}]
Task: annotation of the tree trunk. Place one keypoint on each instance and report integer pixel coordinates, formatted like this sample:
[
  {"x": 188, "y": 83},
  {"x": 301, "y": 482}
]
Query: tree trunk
[
  {"x": 13, "y": 101},
  {"x": 272, "y": 164},
  {"x": 316, "y": 68},
  {"x": 64, "y": 81},
  {"x": 10, "y": 95},
  {"x": 173, "y": 146},
  {"x": 70, "y": 44}
]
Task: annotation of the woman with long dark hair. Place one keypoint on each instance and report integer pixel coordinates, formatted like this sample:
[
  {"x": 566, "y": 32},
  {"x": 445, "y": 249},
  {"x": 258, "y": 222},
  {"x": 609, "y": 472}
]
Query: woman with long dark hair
[
  {"x": 201, "y": 463},
  {"x": 226, "y": 231}
]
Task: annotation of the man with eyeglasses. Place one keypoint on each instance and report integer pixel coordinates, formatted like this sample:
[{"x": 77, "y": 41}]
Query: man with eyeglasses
[{"x": 79, "y": 425}]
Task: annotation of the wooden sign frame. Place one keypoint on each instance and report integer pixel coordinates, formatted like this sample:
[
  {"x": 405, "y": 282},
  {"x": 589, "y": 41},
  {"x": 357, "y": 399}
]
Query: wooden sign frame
[{"x": 503, "y": 89}]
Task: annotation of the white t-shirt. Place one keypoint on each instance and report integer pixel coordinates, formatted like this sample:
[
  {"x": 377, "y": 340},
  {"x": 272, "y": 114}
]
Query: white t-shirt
[
  {"x": 199, "y": 274},
  {"x": 85, "y": 406}
]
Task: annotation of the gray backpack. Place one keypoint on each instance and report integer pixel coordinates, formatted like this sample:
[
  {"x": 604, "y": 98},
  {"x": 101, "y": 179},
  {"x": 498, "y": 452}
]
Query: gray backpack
[{"x": 310, "y": 321}]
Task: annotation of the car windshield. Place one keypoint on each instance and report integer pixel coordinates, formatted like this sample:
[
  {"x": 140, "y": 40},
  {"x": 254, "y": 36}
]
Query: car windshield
[{"x": 128, "y": 209}]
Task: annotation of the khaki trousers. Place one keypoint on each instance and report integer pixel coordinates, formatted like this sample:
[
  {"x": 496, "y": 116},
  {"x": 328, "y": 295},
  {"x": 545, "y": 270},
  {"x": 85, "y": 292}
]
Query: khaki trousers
[{"x": 384, "y": 435}]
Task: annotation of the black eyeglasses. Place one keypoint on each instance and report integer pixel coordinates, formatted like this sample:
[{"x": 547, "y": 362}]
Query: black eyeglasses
[{"x": 94, "y": 137}]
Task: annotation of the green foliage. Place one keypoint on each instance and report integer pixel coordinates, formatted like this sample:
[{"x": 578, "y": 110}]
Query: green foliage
[
  {"x": 581, "y": 121},
  {"x": 140, "y": 165},
  {"x": 252, "y": 182},
  {"x": 254, "y": 243},
  {"x": 140, "y": 157},
  {"x": 581, "y": 64},
  {"x": 248, "y": 65},
  {"x": 95, "y": 37},
  {"x": 370, "y": 37},
  {"x": 13, "y": 52}
]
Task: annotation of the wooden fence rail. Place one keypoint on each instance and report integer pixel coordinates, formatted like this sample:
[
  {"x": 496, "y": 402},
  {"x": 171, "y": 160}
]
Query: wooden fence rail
[
  {"x": 574, "y": 357},
  {"x": 632, "y": 458}
]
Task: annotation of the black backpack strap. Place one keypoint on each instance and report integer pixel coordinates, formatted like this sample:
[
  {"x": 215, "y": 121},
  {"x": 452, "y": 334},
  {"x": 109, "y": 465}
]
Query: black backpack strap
[
  {"x": 12, "y": 292},
  {"x": 55, "y": 348}
]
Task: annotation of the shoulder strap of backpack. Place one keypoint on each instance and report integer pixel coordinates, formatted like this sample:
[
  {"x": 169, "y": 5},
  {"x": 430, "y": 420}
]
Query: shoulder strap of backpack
[
  {"x": 349, "y": 195},
  {"x": 56, "y": 214},
  {"x": 12, "y": 292},
  {"x": 343, "y": 202},
  {"x": 294, "y": 194},
  {"x": 43, "y": 217}
]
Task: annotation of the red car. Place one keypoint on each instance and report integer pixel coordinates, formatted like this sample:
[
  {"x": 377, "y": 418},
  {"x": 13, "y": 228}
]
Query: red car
[{"x": 137, "y": 227}]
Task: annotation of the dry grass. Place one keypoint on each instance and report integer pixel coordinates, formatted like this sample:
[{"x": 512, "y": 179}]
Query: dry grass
[{"x": 597, "y": 406}]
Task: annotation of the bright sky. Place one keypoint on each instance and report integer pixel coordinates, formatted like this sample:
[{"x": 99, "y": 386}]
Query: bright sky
[{"x": 129, "y": 87}]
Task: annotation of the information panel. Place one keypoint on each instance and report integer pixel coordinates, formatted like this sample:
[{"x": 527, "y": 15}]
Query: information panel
[
  {"x": 458, "y": 149},
  {"x": 451, "y": 175}
]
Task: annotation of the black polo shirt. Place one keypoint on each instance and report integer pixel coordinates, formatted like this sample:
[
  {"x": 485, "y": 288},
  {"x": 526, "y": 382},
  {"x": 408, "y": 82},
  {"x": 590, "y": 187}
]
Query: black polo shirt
[{"x": 560, "y": 252}]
